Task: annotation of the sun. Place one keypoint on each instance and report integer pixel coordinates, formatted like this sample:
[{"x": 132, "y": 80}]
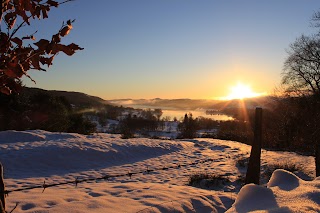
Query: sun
[{"x": 241, "y": 91}]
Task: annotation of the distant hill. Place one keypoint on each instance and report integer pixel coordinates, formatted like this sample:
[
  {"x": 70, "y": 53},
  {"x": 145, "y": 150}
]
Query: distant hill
[
  {"x": 75, "y": 98},
  {"x": 84, "y": 100},
  {"x": 193, "y": 104}
]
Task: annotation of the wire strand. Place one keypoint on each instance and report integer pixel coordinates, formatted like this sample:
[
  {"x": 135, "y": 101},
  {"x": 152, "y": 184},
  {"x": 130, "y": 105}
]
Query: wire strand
[{"x": 107, "y": 177}]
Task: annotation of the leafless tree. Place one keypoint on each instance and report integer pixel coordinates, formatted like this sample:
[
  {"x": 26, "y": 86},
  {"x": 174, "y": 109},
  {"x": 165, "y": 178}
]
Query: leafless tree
[
  {"x": 301, "y": 74},
  {"x": 301, "y": 77}
]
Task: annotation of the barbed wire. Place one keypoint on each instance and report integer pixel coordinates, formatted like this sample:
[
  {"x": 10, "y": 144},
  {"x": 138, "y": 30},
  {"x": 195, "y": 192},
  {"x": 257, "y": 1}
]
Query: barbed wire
[{"x": 107, "y": 176}]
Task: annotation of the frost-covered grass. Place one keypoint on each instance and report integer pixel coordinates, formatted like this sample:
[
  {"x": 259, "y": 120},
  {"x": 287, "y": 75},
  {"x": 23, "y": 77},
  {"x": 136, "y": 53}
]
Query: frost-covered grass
[
  {"x": 293, "y": 167},
  {"x": 205, "y": 180}
]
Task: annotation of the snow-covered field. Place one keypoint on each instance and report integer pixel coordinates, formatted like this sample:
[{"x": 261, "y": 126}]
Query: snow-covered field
[{"x": 32, "y": 157}]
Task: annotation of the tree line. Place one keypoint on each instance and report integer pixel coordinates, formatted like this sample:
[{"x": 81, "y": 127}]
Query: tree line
[{"x": 42, "y": 111}]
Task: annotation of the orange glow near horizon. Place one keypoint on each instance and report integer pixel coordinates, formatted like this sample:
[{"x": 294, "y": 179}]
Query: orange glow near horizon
[{"x": 241, "y": 91}]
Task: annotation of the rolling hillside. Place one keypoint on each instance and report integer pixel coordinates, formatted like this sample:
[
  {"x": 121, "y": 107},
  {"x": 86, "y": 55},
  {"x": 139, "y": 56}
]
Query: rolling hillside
[{"x": 75, "y": 98}]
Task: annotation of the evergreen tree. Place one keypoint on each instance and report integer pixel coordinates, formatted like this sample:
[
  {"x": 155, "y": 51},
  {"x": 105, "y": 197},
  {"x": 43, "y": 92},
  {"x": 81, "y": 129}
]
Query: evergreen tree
[{"x": 188, "y": 127}]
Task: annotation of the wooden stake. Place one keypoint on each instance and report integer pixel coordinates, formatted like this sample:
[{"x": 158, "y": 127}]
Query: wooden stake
[{"x": 253, "y": 171}]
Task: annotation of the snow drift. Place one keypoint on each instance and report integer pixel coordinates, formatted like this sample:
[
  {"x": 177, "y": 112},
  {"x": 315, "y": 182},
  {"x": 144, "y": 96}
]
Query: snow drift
[{"x": 285, "y": 193}]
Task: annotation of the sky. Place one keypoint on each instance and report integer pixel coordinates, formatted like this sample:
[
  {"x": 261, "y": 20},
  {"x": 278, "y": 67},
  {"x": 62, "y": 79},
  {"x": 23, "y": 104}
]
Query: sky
[{"x": 196, "y": 49}]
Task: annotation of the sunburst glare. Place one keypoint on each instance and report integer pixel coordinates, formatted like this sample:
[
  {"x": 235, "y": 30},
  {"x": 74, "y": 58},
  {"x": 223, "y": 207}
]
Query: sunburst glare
[{"x": 241, "y": 91}]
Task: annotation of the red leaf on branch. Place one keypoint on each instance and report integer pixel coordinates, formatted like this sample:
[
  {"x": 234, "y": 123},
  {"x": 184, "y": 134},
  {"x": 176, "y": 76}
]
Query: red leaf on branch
[
  {"x": 47, "y": 61},
  {"x": 67, "y": 49},
  {"x": 45, "y": 10},
  {"x": 37, "y": 12},
  {"x": 27, "y": 5},
  {"x": 17, "y": 56},
  {"x": 52, "y": 3},
  {"x": 66, "y": 30},
  {"x": 35, "y": 61},
  {"x": 10, "y": 18},
  {"x": 75, "y": 46},
  {"x": 42, "y": 44},
  {"x": 56, "y": 38},
  {"x": 14, "y": 70}
]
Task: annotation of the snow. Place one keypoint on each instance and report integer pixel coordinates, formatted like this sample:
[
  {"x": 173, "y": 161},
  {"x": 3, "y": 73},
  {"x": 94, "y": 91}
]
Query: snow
[
  {"x": 30, "y": 157},
  {"x": 12, "y": 136},
  {"x": 284, "y": 180},
  {"x": 285, "y": 192},
  {"x": 253, "y": 197}
]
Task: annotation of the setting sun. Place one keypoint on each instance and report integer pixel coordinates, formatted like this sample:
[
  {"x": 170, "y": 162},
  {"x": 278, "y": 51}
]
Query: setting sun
[{"x": 241, "y": 91}]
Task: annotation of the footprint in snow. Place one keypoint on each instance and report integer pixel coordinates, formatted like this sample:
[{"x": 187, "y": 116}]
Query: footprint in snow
[
  {"x": 28, "y": 206},
  {"x": 71, "y": 200},
  {"x": 51, "y": 203},
  {"x": 94, "y": 194}
]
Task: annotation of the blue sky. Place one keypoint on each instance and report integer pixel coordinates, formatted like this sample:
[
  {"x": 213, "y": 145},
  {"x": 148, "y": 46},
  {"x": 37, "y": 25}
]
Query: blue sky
[{"x": 173, "y": 48}]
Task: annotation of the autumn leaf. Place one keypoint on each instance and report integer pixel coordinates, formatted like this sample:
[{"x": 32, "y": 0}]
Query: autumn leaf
[
  {"x": 27, "y": 5},
  {"x": 43, "y": 60},
  {"x": 67, "y": 49},
  {"x": 37, "y": 12},
  {"x": 15, "y": 58},
  {"x": 75, "y": 47},
  {"x": 47, "y": 61},
  {"x": 56, "y": 48},
  {"x": 56, "y": 38},
  {"x": 14, "y": 70},
  {"x": 35, "y": 61},
  {"x": 10, "y": 18},
  {"x": 45, "y": 10},
  {"x": 42, "y": 44},
  {"x": 52, "y": 3},
  {"x": 66, "y": 30}
]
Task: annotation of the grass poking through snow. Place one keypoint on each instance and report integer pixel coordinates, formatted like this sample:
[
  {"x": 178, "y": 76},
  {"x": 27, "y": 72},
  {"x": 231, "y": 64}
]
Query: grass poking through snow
[
  {"x": 242, "y": 162},
  {"x": 289, "y": 166},
  {"x": 205, "y": 180}
]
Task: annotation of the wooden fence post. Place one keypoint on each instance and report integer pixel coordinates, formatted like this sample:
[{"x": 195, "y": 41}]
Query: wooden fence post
[
  {"x": 253, "y": 171},
  {"x": 2, "y": 190}
]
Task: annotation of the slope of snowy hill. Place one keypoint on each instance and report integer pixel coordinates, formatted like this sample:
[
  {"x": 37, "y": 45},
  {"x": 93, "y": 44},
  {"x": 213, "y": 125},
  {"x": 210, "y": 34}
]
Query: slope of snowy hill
[{"x": 32, "y": 157}]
